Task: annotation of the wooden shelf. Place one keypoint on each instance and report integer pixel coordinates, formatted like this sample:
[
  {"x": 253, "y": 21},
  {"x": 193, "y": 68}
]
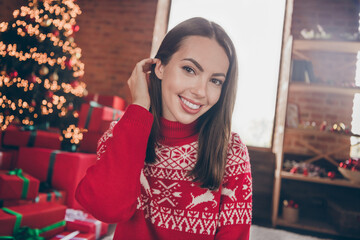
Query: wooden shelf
[
  {"x": 326, "y": 45},
  {"x": 336, "y": 182},
  {"x": 321, "y": 88},
  {"x": 317, "y": 132},
  {"x": 309, "y": 225}
]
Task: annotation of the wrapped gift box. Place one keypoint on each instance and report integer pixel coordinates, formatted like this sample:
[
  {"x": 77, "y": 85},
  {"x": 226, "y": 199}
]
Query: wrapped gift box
[
  {"x": 52, "y": 196},
  {"x": 109, "y": 101},
  {"x": 36, "y": 215},
  {"x": 85, "y": 223},
  {"x": 13, "y": 203},
  {"x": 89, "y": 142},
  {"x": 92, "y": 115},
  {"x": 79, "y": 236},
  {"x": 14, "y": 136},
  {"x": 58, "y": 169},
  {"x": 7, "y": 159},
  {"x": 18, "y": 185}
]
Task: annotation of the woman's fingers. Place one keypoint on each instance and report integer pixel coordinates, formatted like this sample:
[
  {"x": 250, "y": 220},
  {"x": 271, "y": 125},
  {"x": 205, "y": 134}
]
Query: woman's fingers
[{"x": 138, "y": 82}]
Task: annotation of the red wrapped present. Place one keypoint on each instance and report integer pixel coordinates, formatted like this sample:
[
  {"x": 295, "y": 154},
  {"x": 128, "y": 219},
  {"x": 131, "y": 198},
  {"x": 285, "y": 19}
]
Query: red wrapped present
[
  {"x": 92, "y": 115},
  {"x": 15, "y": 136},
  {"x": 51, "y": 196},
  {"x": 13, "y": 203},
  {"x": 47, "y": 217},
  {"x": 16, "y": 185},
  {"x": 109, "y": 101},
  {"x": 7, "y": 159},
  {"x": 85, "y": 223},
  {"x": 89, "y": 142},
  {"x": 76, "y": 235},
  {"x": 57, "y": 169}
]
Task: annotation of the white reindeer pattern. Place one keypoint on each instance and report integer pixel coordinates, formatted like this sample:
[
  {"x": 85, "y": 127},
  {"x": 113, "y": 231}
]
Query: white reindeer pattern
[
  {"x": 205, "y": 197},
  {"x": 230, "y": 193}
]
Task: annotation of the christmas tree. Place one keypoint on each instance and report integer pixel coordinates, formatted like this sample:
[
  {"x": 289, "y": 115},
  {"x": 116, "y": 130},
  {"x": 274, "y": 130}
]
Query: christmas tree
[{"x": 40, "y": 68}]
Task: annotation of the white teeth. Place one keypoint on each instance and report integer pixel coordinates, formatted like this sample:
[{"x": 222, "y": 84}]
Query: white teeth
[{"x": 189, "y": 104}]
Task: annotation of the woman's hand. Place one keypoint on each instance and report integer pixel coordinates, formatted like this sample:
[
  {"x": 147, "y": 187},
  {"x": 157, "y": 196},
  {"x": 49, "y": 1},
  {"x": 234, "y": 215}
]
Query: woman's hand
[{"x": 138, "y": 82}]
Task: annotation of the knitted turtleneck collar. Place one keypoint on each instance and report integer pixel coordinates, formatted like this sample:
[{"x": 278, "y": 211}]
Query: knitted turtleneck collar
[{"x": 175, "y": 133}]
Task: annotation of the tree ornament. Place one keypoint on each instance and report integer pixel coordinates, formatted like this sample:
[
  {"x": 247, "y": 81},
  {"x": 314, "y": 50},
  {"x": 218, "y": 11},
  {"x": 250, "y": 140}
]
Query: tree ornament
[
  {"x": 32, "y": 78},
  {"x": 3, "y": 72},
  {"x": 46, "y": 23},
  {"x": 69, "y": 63},
  {"x": 71, "y": 39},
  {"x": 13, "y": 74},
  {"x": 49, "y": 94},
  {"x": 54, "y": 77},
  {"x": 71, "y": 107},
  {"x": 33, "y": 103},
  {"x": 43, "y": 71},
  {"x": 56, "y": 33},
  {"x": 74, "y": 84},
  {"x": 75, "y": 28}
]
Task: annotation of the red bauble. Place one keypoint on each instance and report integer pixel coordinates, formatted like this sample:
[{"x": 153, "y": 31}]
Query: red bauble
[
  {"x": 294, "y": 170},
  {"x": 50, "y": 94},
  {"x": 33, "y": 103},
  {"x": 56, "y": 33},
  {"x": 68, "y": 63},
  {"x": 13, "y": 74},
  {"x": 32, "y": 78},
  {"x": 331, "y": 175},
  {"x": 305, "y": 172},
  {"x": 75, "y": 28},
  {"x": 74, "y": 84},
  {"x": 70, "y": 107}
]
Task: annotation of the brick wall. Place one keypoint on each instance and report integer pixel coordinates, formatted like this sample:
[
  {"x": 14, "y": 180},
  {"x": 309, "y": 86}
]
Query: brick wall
[
  {"x": 113, "y": 36},
  {"x": 336, "y": 69}
]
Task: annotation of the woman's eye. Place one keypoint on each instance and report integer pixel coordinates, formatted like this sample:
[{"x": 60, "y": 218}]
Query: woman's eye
[
  {"x": 217, "y": 81},
  {"x": 189, "y": 69}
]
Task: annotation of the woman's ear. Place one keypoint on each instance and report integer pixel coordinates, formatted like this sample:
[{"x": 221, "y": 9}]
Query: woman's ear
[{"x": 159, "y": 69}]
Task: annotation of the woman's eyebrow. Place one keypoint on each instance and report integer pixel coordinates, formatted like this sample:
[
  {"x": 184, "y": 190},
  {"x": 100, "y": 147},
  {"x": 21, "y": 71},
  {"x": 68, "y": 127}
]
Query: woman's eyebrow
[
  {"x": 200, "y": 67},
  {"x": 195, "y": 63}
]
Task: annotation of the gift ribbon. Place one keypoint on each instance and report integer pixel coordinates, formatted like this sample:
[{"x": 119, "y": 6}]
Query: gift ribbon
[
  {"x": 88, "y": 117},
  {"x": 27, "y": 233},
  {"x": 18, "y": 218},
  {"x": 72, "y": 215},
  {"x": 56, "y": 193},
  {"x": 51, "y": 167},
  {"x": 32, "y": 138},
  {"x": 95, "y": 104},
  {"x": 18, "y": 172},
  {"x": 49, "y": 195}
]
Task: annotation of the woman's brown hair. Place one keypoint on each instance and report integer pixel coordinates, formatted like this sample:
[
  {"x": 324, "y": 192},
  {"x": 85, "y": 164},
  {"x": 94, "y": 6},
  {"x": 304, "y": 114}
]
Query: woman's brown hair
[{"x": 215, "y": 125}]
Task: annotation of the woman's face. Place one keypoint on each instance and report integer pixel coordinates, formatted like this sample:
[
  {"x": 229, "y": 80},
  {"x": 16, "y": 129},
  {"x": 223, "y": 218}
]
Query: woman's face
[{"x": 192, "y": 80}]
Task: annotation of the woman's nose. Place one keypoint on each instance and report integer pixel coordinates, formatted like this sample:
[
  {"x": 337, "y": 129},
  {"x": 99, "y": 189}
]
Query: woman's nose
[{"x": 199, "y": 88}]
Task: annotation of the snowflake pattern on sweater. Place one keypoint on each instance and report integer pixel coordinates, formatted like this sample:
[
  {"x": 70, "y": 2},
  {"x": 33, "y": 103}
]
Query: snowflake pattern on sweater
[{"x": 171, "y": 200}]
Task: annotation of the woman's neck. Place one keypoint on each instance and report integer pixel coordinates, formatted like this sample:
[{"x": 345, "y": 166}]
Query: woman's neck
[{"x": 175, "y": 133}]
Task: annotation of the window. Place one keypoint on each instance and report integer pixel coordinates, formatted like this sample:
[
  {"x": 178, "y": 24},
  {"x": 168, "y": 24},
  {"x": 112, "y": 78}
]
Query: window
[{"x": 256, "y": 30}]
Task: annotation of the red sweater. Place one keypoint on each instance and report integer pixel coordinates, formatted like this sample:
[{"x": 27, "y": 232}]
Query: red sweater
[{"x": 160, "y": 201}]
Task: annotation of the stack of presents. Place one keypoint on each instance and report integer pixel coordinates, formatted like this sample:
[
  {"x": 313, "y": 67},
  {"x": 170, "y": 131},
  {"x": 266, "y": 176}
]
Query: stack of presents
[{"x": 38, "y": 181}]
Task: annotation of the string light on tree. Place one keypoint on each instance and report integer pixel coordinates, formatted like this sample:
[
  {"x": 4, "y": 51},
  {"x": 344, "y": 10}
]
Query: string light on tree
[{"x": 40, "y": 67}]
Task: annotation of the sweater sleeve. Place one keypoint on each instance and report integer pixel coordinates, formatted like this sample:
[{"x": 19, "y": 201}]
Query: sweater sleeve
[
  {"x": 110, "y": 187},
  {"x": 236, "y": 194}
]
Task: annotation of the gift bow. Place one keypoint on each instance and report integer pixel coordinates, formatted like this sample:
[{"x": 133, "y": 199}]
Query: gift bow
[
  {"x": 27, "y": 233},
  {"x": 72, "y": 215},
  {"x": 18, "y": 172}
]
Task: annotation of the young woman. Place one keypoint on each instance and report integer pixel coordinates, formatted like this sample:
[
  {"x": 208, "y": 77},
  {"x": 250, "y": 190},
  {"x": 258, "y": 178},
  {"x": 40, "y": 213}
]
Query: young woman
[{"x": 171, "y": 168}]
